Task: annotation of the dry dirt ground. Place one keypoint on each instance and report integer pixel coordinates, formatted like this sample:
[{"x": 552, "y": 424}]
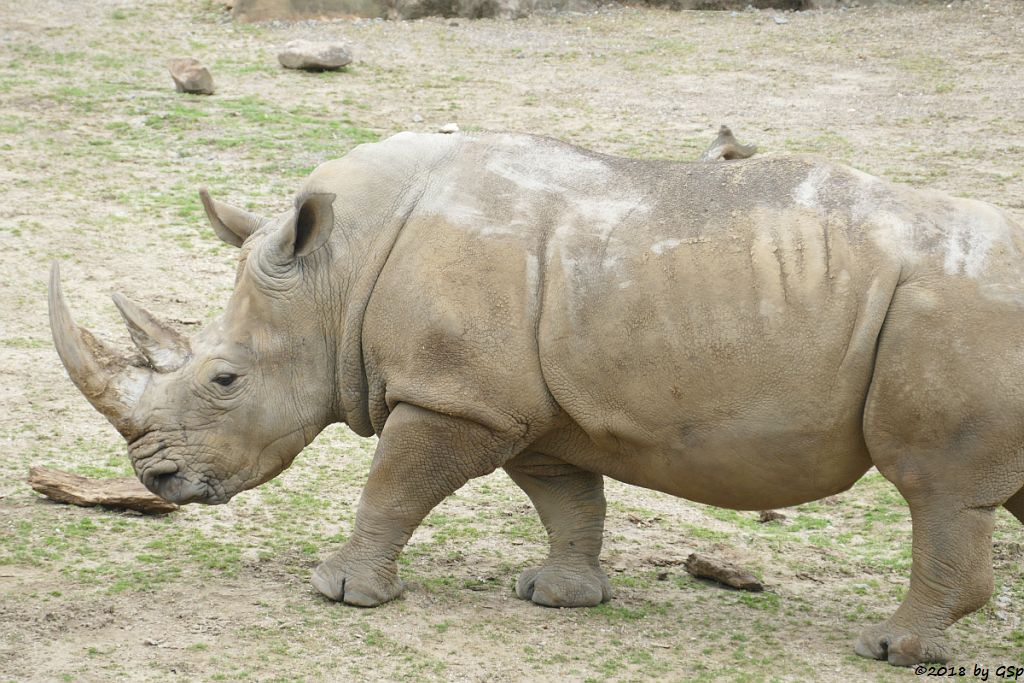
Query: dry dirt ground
[{"x": 101, "y": 160}]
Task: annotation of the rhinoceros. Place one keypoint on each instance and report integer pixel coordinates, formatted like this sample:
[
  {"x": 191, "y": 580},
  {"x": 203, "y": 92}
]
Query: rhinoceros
[{"x": 752, "y": 335}]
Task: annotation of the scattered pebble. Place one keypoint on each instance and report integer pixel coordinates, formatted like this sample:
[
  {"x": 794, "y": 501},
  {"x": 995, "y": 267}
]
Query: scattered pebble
[
  {"x": 190, "y": 76},
  {"x": 770, "y": 516},
  {"x": 417, "y": 118},
  {"x": 449, "y": 128},
  {"x": 780, "y": 20},
  {"x": 313, "y": 56}
]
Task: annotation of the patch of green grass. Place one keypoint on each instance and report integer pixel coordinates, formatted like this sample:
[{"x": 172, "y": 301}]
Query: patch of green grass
[{"x": 25, "y": 343}]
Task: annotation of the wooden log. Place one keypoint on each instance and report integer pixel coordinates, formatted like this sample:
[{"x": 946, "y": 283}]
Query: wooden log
[
  {"x": 722, "y": 572},
  {"x": 122, "y": 492}
]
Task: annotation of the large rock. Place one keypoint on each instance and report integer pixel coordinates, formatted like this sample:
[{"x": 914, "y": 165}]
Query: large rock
[
  {"x": 266, "y": 10},
  {"x": 313, "y": 56},
  {"x": 190, "y": 76}
]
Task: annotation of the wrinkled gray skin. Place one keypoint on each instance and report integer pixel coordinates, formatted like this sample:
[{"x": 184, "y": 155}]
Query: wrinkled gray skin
[{"x": 750, "y": 335}]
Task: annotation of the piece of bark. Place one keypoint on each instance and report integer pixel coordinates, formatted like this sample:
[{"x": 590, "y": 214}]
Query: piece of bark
[
  {"x": 722, "y": 572},
  {"x": 726, "y": 147},
  {"x": 122, "y": 492}
]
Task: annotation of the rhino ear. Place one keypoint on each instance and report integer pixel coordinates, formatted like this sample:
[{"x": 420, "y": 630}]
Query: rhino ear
[
  {"x": 307, "y": 230},
  {"x": 232, "y": 225}
]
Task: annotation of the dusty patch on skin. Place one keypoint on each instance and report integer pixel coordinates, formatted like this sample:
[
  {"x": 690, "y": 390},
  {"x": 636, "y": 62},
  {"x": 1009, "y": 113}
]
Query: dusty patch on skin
[
  {"x": 661, "y": 246},
  {"x": 806, "y": 193},
  {"x": 976, "y": 232}
]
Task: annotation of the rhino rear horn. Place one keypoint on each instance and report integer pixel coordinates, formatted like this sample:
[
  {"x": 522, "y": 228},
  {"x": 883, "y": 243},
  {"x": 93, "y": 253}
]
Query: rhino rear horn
[
  {"x": 107, "y": 379},
  {"x": 164, "y": 348},
  {"x": 232, "y": 225}
]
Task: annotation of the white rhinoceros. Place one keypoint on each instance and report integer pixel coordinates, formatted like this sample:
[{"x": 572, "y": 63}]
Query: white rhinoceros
[{"x": 753, "y": 334}]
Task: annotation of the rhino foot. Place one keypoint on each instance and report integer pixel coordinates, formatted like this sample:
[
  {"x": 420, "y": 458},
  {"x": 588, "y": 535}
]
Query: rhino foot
[
  {"x": 901, "y": 646},
  {"x": 355, "y": 584},
  {"x": 558, "y": 586}
]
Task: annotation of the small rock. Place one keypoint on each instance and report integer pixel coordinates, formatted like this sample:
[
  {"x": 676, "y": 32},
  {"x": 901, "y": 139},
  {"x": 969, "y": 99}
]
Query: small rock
[
  {"x": 417, "y": 118},
  {"x": 313, "y": 56},
  {"x": 449, "y": 128},
  {"x": 190, "y": 76},
  {"x": 453, "y": 23},
  {"x": 642, "y": 523},
  {"x": 770, "y": 516},
  {"x": 780, "y": 20}
]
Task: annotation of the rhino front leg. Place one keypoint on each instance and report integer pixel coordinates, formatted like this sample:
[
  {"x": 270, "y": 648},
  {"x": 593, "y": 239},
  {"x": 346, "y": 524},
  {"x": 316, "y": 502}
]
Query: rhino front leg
[
  {"x": 421, "y": 458},
  {"x": 571, "y": 505}
]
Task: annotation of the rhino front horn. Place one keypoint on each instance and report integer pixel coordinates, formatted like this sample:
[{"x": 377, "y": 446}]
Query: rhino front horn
[{"x": 107, "y": 379}]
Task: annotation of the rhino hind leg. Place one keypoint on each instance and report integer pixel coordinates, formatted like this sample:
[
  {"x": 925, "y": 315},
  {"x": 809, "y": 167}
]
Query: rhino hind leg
[
  {"x": 951, "y": 577},
  {"x": 571, "y": 505},
  {"x": 947, "y": 428},
  {"x": 422, "y": 457}
]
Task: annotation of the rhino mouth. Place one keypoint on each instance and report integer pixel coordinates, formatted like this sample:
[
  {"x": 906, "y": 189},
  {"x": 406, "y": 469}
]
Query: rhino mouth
[
  {"x": 175, "y": 488},
  {"x": 164, "y": 477}
]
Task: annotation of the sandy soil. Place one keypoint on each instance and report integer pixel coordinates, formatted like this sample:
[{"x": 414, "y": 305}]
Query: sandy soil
[{"x": 100, "y": 163}]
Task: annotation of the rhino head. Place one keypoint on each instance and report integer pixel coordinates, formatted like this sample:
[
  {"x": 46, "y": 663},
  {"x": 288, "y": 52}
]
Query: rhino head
[{"x": 229, "y": 408}]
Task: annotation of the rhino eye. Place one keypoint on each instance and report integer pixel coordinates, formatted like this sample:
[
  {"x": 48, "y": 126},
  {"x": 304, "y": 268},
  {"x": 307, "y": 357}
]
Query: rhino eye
[{"x": 225, "y": 379}]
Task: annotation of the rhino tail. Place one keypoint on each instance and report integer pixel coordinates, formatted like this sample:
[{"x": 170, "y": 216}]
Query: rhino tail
[{"x": 1016, "y": 505}]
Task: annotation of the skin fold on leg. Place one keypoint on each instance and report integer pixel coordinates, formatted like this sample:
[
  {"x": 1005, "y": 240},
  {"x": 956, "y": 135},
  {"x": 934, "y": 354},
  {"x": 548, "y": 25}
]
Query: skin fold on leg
[{"x": 571, "y": 505}]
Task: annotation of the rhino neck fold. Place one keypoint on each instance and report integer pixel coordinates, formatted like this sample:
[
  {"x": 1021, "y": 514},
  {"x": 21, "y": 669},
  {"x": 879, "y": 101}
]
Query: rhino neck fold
[
  {"x": 350, "y": 370},
  {"x": 376, "y": 189}
]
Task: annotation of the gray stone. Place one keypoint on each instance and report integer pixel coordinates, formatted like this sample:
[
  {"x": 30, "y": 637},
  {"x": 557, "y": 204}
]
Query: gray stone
[
  {"x": 292, "y": 10},
  {"x": 449, "y": 128},
  {"x": 313, "y": 56},
  {"x": 190, "y": 76},
  {"x": 266, "y": 10}
]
